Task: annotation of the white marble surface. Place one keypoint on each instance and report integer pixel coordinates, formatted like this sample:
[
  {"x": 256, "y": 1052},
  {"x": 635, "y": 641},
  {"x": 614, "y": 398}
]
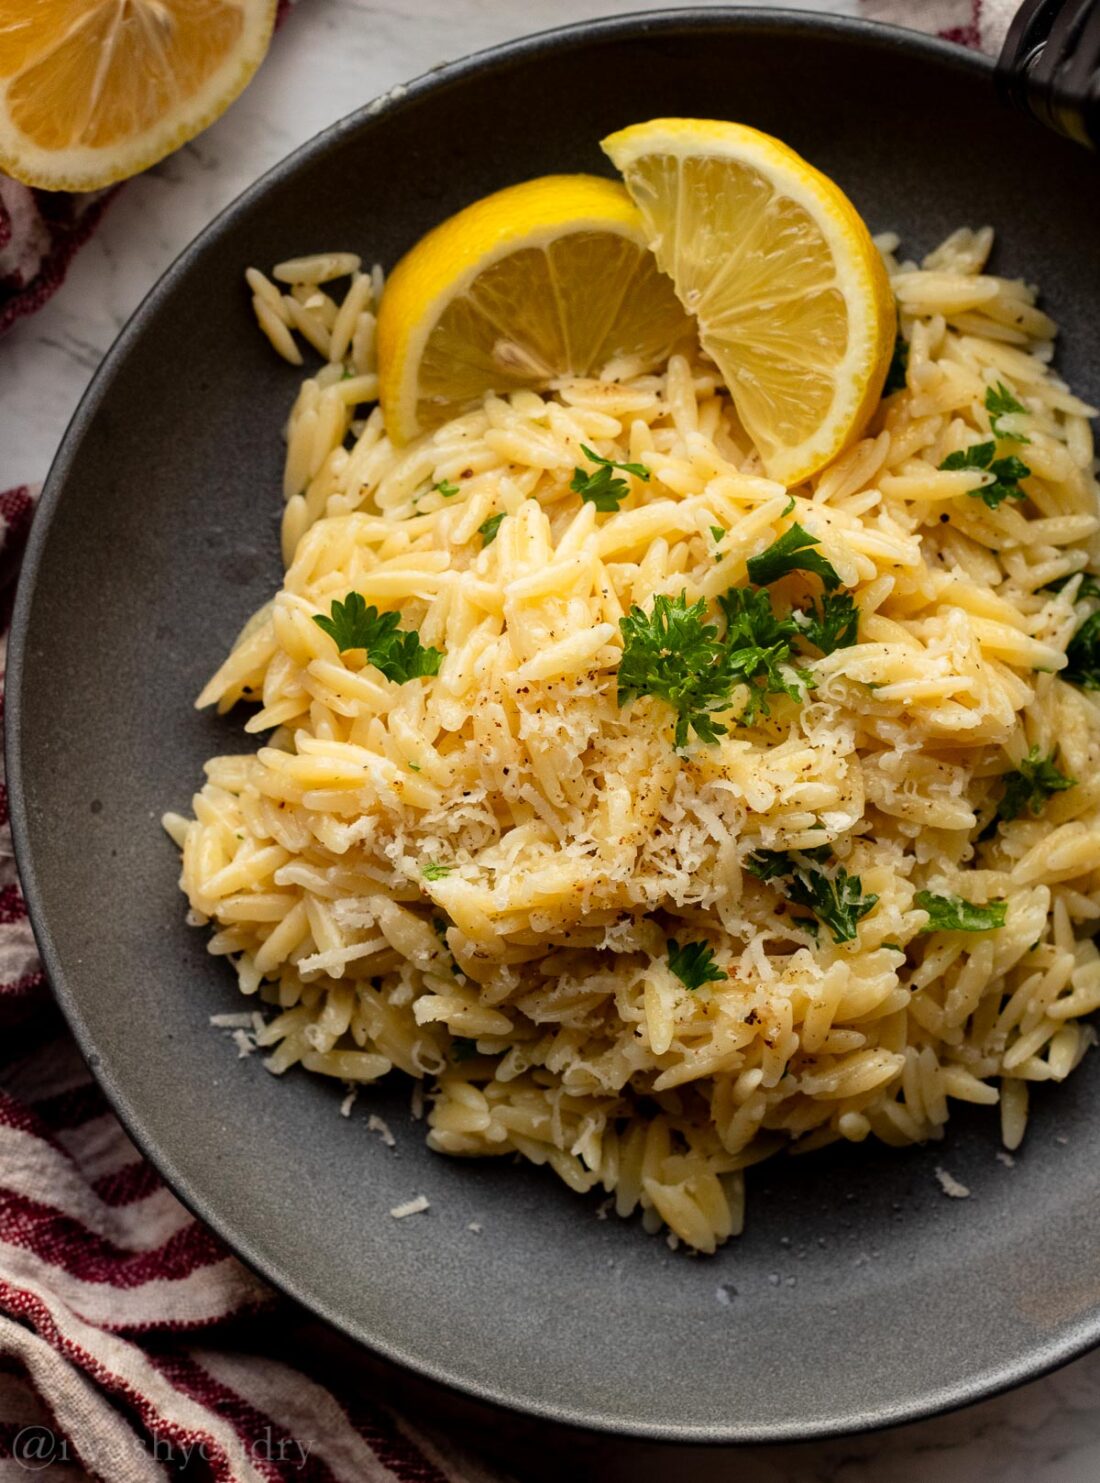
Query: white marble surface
[{"x": 331, "y": 56}]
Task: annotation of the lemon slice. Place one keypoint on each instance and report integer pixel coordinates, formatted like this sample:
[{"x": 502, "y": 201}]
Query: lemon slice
[
  {"x": 775, "y": 263},
  {"x": 546, "y": 279},
  {"x": 92, "y": 91}
]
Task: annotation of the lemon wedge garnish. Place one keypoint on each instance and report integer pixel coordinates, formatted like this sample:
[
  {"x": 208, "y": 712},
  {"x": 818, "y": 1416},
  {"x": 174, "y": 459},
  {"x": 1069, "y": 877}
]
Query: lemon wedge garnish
[
  {"x": 776, "y": 265},
  {"x": 92, "y": 91},
  {"x": 541, "y": 280}
]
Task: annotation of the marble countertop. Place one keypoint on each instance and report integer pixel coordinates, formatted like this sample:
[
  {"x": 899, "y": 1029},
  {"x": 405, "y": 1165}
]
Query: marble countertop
[{"x": 330, "y": 57}]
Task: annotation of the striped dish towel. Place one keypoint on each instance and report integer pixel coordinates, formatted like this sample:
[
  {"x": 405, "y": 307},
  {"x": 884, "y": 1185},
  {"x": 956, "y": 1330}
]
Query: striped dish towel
[
  {"x": 133, "y": 1345},
  {"x": 982, "y": 24}
]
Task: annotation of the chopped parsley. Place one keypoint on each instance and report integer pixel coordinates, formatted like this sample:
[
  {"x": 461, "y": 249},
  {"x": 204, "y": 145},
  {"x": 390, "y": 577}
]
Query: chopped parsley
[
  {"x": 767, "y": 864},
  {"x": 718, "y": 531},
  {"x": 837, "y": 899},
  {"x": 791, "y": 553},
  {"x": 487, "y": 530},
  {"x": 435, "y": 872},
  {"x": 1007, "y": 472},
  {"x": 1033, "y": 782},
  {"x": 999, "y": 402},
  {"x": 955, "y": 914},
  {"x": 1083, "y": 655},
  {"x": 601, "y": 488},
  {"x": 899, "y": 368},
  {"x": 835, "y": 626},
  {"x": 397, "y": 653},
  {"x": 757, "y": 646},
  {"x": 673, "y": 653},
  {"x": 446, "y": 488},
  {"x": 693, "y": 964}
]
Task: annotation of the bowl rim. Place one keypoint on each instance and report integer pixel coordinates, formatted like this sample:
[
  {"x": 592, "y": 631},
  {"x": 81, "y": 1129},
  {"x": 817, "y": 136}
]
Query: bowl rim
[{"x": 801, "y": 25}]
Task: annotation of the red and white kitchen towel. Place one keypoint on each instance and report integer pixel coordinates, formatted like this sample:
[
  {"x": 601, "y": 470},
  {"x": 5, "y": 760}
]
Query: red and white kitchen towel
[{"x": 133, "y": 1345}]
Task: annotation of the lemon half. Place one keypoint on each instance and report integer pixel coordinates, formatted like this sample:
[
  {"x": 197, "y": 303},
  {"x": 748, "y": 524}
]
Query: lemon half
[
  {"x": 545, "y": 279},
  {"x": 92, "y": 91},
  {"x": 780, "y": 272}
]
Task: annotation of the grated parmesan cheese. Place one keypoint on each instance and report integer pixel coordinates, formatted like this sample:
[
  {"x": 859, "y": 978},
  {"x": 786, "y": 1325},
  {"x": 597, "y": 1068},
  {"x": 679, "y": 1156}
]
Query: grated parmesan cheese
[
  {"x": 376, "y": 1124},
  {"x": 951, "y": 1186},
  {"x": 411, "y": 1207}
]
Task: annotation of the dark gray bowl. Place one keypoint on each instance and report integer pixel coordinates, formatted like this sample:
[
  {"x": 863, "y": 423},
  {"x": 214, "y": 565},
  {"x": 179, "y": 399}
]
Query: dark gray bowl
[{"x": 860, "y": 1295}]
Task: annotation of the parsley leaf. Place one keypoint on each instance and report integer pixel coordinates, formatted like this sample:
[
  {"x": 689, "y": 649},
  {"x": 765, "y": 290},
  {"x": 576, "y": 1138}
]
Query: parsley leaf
[
  {"x": 1030, "y": 785},
  {"x": 899, "y": 368},
  {"x": 955, "y": 914},
  {"x": 674, "y": 654},
  {"x": 999, "y": 402},
  {"x": 1083, "y": 655},
  {"x": 757, "y": 644},
  {"x": 977, "y": 456},
  {"x": 791, "y": 553},
  {"x": 1007, "y": 472},
  {"x": 766, "y": 865},
  {"x": 398, "y": 654},
  {"x": 693, "y": 964},
  {"x": 718, "y": 531},
  {"x": 837, "y": 900},
  {"x": 446, "y": 488},
  {"x": 1090, "y": 585},
  {"x": 434, "y": 872},
  {"x": 487, "y": 530},
  {"x": 836, "y": 626},
  {"x": 601, "y": 488}
]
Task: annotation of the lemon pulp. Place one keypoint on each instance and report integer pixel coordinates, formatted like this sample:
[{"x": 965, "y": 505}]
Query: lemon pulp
[{"x": 778, "y": 269}]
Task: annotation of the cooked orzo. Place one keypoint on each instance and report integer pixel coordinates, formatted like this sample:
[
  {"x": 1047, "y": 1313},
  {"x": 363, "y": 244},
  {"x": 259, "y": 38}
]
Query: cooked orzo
[{"x": 677, "y": 818}]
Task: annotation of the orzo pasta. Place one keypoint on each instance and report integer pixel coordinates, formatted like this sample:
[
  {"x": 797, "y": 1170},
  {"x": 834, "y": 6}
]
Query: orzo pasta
[{"x": 649, "y": 965}]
